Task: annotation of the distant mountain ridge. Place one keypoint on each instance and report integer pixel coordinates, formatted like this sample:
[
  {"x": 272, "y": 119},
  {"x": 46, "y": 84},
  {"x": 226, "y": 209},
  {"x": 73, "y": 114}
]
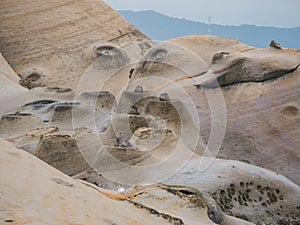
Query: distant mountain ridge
[{"x": 161, "y": 27}]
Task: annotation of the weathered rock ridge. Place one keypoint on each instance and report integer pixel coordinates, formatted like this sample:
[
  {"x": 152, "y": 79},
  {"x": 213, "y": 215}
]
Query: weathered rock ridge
[
  {"x": 120, "y": 130},
  {"x": 54, "y": 41}
]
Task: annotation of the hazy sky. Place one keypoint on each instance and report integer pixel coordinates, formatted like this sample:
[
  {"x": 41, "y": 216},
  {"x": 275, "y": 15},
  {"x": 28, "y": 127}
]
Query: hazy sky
[{"x": 280, "y": 13}]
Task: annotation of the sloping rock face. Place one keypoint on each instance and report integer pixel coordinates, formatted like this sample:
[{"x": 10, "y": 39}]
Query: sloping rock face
[
  {"x": 9, "y": 87},
  {"x": 107, "y": 107},
  {"x": 33, "y": 185},
  {"x": 54, "y": 41},
  {"x": 257, "y": 90},
  {"x": 243, "y": 190},
  {"x": 7, "y": 71}
]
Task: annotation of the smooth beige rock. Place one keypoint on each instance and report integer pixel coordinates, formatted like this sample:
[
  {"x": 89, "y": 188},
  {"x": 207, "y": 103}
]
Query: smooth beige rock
[
  {"x": 7, "y": 71},
  {"x": 110, "y": 70},
  {"x": 260, "y": 108},
  {"x": 57, "y": 39},
  {"x": 35, "y": 193}
]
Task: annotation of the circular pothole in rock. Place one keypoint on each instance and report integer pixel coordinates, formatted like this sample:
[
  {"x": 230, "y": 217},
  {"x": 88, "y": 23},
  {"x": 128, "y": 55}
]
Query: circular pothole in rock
[
  {"x": 290, "y": 111},
  {"x": 33, "y": 77},
  {"x": 104, "y": 50}
]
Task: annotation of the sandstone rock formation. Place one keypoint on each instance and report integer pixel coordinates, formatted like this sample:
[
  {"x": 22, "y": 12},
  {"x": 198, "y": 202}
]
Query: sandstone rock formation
[
  {"x": 55, "y": 41},
  {"x": 243, "y": 190},
  {"x": 35, "y": 193},
  {"x": 260, "y": 88},
  {"x": 136, "y": 127}
]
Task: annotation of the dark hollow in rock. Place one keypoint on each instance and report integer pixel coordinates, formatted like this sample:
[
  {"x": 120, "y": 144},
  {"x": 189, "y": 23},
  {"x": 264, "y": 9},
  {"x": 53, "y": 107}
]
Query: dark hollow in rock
[
  {"x": 63, "y": 111},
  {"x": 62, "y": 108},
  {"x": 33, "y": 77},
  {"x": 237, "y": 199},
  {"x": 31, "y": 81},
  {"x": 139, "y": 89},
  {"x": 111, "y": 57},
  {"x": 164, "y": 97},
  {"x": 44, "y": 102},
  {"x": 29, "y": 85},
  {"x": 159, "y": 54},
  {"x": 239, "y": 72},
  {"x": 17, "y": 115},
  {"x": 134, "y": 111},
  {"x": 290, "y": 111},
  {"x": 59, "y": 89},
  {"x": 131, "y": 73},
  {"x": 39, "y": 104},
  {"x": 219, "y": 56},
  {"x": 104, "y": 50}
]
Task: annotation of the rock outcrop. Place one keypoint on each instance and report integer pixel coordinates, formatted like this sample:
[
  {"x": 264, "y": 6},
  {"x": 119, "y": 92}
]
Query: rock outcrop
[
  {"x": 195, "y": 130},
  {"x": 34, "y": 185},
  {"x": 54, "y": 41},
  {"x": 255, "y": 90}
]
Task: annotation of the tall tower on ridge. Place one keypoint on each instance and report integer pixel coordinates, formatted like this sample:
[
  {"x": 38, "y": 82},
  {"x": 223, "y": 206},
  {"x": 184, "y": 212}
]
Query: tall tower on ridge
[{"x": 209, "y": 25}]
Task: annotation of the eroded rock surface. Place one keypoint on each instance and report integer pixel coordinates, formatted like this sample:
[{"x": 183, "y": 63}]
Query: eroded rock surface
[
  {"x": 68, "y": 201},
  {"x": 60, "y": 38},
  {"x": 101, "y": 103},
  {"x": 255, "y": 90}
]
